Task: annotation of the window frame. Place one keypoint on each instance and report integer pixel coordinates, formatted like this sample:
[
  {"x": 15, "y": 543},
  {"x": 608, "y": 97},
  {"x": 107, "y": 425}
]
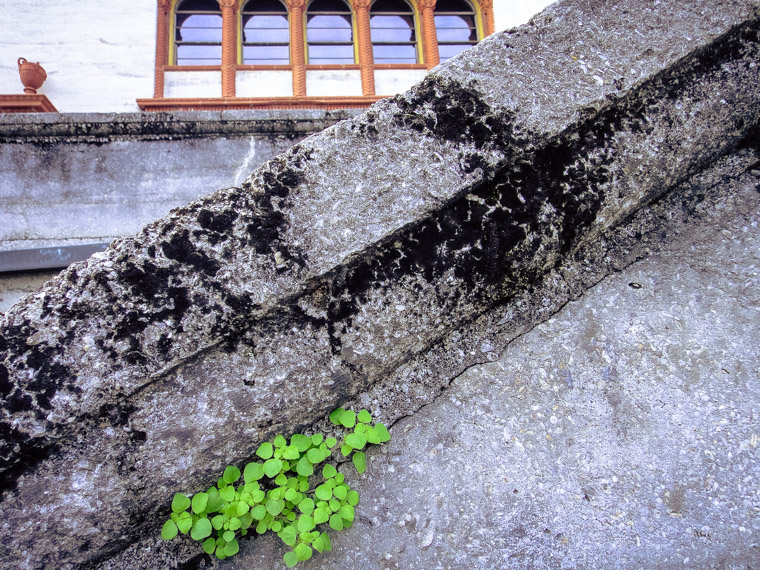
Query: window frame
[
  {"x": 173, "y": 46},
  {"x": 240, "y": 43},
  {"x": 354, "y": 38},
  {"x": 419, "y": 57},
  {"x": 474, "y": 12},
  {"x": 232, "y": 55}
]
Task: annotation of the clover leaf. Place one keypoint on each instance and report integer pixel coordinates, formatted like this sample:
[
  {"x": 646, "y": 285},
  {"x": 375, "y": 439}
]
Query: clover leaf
[{"x": 274, "y": 493}]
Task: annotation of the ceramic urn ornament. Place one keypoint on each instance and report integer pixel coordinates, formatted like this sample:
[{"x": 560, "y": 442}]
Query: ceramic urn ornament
[{"x": 32, "y": 75}]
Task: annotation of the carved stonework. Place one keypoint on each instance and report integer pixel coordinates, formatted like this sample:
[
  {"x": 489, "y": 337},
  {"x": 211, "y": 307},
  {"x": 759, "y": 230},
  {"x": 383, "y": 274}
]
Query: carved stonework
[
  {"x": 164, "y": 6},
  {"x": 226, "y": 4},
  {"x": 296, "y": 4},
  {"x": 362, "y": 4},
  {"x": 426, "y": 5}
]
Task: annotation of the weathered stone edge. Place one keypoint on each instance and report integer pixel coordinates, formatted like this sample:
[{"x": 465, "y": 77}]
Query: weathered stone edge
[{"x": 53, "y": 128}]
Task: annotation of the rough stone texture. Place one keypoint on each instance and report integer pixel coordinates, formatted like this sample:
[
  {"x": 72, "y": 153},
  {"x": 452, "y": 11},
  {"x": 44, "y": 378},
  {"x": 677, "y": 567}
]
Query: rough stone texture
[
  {"x": 15, "y": 287},
  {"x": 362, "y": 253},
  {"x": 623, "y": 431}
]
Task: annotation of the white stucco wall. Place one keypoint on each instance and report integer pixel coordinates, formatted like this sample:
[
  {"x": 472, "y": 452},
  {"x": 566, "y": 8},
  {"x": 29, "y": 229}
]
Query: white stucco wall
[
  {"x": 392, "y": 81},
  {"x": 511, "y": 13},
  {"x": 326, "y": 82},
  {"x": 99, "y": 55},
  {"x": 261, "y": 83},
  {"x": 193, "y": 84}
]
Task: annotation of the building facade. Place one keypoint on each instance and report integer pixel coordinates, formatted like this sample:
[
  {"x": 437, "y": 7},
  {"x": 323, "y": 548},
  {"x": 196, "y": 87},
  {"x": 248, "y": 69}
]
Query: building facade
[{"x": 152, "y": 55}]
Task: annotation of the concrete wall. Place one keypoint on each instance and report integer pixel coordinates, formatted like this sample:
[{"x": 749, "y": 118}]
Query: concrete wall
[
  {"x": 77, "y": 179},
  {"x": 100, "y": 56}
]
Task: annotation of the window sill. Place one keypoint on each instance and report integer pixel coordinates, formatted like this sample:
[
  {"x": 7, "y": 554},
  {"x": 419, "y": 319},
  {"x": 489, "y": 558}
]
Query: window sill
[
  {"x": 24, "y": 103},
  {"x": 193, "y": 68},
  {"x": 326, "y": 103},
  {"x": 400, "y": 66}
]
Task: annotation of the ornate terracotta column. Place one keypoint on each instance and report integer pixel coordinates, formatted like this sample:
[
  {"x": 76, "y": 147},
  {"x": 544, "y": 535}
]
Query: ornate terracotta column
[
  {"x": 429, "y": 37},
  {"x": 162, "y": 35},
  {"x": 297, "y": 51},
  {"x": 364, "y": 42},
  {"x": 486, "y": 8},
  {"x": 229, "y": 47}
]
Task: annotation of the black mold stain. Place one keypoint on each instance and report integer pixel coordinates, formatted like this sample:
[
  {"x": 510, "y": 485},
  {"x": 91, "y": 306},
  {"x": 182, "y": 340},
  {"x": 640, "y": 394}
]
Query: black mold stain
[
  {"x": 268, "y": 221},
  {"x": 180, "y": 248},
  {"x": 446, "y": 109}
]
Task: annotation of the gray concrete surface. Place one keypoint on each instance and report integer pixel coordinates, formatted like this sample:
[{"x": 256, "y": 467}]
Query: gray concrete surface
[
  {"x": 621, "y": 432},
  {"x": 378, "y": 259},
  {"x": 98, "y": 176},
  {"x": 15, "y": 287}
]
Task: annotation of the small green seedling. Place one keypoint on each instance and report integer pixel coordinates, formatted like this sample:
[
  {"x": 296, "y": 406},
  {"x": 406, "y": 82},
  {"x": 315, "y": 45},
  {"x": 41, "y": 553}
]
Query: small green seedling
[{"x": 284, "y": 491}]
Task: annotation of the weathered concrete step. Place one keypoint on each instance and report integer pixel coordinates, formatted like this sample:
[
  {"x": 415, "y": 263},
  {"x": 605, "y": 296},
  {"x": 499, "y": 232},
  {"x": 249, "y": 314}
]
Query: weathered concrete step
[{"x": 255, "y": 310}]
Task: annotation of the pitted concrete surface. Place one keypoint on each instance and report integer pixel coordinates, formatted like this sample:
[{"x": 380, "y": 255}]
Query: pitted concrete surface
[
  {"x": 623, "y": 432},
  {"x": 474, "y": 214}
]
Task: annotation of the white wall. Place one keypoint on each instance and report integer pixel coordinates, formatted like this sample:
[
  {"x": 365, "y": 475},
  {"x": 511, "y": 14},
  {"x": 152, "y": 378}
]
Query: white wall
[
  {"x": 190, "y": 84},
  {"x": 512, "y": 13},
  {"x": 326, "y": 82},
  {"x": 262, "y": 83},
  {"x": 392, "y": 81},
  {"x": 98, "y": 54}
]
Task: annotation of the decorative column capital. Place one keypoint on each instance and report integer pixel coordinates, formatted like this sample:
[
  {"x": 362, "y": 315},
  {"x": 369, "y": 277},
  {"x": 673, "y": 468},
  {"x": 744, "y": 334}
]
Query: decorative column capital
[
  {"x": 227, "y": 4},
  {"x": 164, "y": 5},
  {"x": 362, "y": 4},
  {"x": 426, "y": 4},
  {"x": 296, "y": 4}
]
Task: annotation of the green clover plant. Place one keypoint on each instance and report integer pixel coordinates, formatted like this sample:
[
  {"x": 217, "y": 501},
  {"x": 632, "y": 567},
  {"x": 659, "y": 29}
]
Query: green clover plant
[{"x": 283, "y": 493}]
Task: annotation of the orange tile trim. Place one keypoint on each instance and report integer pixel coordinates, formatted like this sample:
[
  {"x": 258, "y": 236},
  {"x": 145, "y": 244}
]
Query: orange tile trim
[
  {"x": 229, "y": 47},
  {"x": 429, "y": 36},
  {"x": 364, "y": 43},
  {"x": 486, "y": 8},
  {"x": 297, "y": 55},
  {"x": 162, "y": 33},
  {"x": 24, "y": 103}
]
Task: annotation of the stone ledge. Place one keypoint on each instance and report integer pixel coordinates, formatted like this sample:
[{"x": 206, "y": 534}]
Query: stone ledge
[
  {"x": 255, "y": 310},
  {"x": 99, "y": 127}
]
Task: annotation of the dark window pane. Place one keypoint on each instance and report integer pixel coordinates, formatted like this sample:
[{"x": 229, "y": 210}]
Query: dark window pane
[
  {"x": 199, "y": 55},
  {"x": 454, "y": 35},
  {"x": 450, "y": 50},
  {"x": 394, "y": 54},
  {"x": 195, "y": 28},
  {"x": 453, "y": 6},
  {"x": 390, "y": 6},
  {"x": 199, "y": 6},
  {"x": 264, "y": 6},
  {"x": 198, "y": 33},
  {"x": 391, "y": 25},
  {"x": 331, "y": 54},
  {"x": 266, "y": 33},
  {"x": 266, "y": 29},
  {"x": 328, "y": 6},
  {"x": 329, "y": 35},
  {"x": 455, "y": 27},
  {"x": 266, "y": 55}
]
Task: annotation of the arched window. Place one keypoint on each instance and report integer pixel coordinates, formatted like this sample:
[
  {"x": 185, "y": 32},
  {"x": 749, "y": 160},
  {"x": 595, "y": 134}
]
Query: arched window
[
  {"x": 198, "y": 33},
  {"x": 329, "y": 33},
  {"x": 266, "y": 34},
  {"x": 455, "y": 27},
  {"x": 392, "y": 28}
]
